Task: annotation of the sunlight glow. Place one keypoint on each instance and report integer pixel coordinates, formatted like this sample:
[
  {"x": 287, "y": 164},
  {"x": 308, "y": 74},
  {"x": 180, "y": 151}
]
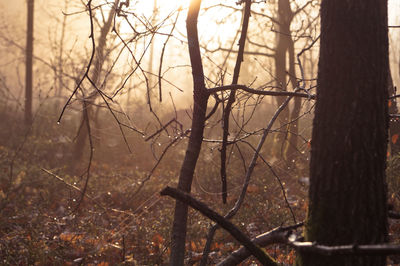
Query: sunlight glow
[{"x": 152, "y": 11}]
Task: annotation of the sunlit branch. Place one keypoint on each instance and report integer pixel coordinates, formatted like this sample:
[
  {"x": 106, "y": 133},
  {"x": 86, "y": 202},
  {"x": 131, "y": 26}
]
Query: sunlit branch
[
  {"x": 352, "y": 249},
  {"x": 235, "y": 51}
]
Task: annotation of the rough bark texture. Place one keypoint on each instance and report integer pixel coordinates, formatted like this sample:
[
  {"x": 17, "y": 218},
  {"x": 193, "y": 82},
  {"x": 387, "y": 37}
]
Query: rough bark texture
[
  {"x": 200, "y": 97},
  {"x": 347, "y": 197},
  {"x": 29, "y": 63}
]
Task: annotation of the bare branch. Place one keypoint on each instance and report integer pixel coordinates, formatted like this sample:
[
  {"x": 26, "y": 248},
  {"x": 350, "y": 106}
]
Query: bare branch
[
  {"x": 260, "y": 92},
  {"x": 227, "y": 110},
  {"x": 88, "y": 65},
  {"x": 275, "y": 236},
  {"x": 223, "y": 222}
]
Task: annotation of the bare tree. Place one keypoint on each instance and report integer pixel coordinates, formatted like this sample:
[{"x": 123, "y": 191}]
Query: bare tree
[
  {"x": 200, "y": 99},
  {"x": 29, "y": 63}
]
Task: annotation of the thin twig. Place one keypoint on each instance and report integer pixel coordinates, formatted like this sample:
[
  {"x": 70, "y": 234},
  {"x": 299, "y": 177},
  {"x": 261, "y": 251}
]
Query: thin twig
[
  {"x": 162, "y": 55},
  {"x": 88, "y": 65},
  {"x": 227, "y": 110}
]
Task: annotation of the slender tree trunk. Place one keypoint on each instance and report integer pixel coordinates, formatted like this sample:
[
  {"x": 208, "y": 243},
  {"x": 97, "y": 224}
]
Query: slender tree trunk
[
  {"x": 59, "y": 71},
  {"x": 200, "y": 98},
  {"x": 283, "y": 39},
  {"x": 347, "y": 196},
  {"x": 292, "y": 151},
  {"x": 151, "y": 58},
  {"x": 29, "y": 64}
]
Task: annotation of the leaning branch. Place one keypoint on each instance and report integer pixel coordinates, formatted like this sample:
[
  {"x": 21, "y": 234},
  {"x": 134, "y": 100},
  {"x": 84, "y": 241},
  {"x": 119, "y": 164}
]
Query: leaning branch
[
  {"x": 275, "y": 236},
  {"x": 224, "y": 223}
]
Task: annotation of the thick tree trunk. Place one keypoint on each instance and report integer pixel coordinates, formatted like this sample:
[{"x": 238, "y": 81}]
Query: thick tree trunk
[
  {"x": 347, "y": 197},
  {"x": 200, "y": 98},
  {"x": 29, "y": 64}
]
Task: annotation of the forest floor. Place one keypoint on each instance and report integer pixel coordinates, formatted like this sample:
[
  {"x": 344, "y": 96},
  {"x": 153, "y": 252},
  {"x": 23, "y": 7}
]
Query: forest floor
[{"x": 44, "y": 222}]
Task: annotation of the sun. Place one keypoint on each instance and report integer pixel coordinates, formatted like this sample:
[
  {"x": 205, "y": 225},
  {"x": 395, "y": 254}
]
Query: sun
[
  {"x": 160, "y": 6},
  {"x": 150, "y": 11}
]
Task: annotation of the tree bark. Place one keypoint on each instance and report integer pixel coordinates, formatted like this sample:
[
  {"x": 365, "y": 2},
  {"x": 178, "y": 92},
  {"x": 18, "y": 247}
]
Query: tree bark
[
  {"x": 347, "y": 196},
  {"x": 200, "y": 98},
  {"x": 29, "y": 64}
]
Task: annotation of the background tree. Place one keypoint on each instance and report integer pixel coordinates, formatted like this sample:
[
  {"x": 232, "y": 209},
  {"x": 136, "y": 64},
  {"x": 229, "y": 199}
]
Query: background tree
[
  {"x": 347, "y": 196},
  {"x": 88, "y": 101},
  {"x": 29, "y": 63}
]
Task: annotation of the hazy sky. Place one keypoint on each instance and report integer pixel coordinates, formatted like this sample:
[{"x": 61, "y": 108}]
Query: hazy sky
[{"x": 14, "y": 13}]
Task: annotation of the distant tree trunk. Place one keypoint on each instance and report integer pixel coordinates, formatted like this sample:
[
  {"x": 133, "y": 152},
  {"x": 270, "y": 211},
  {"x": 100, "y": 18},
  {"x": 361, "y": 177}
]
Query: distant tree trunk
[
  {"x": 283, "y": 39},
  {"x": 200, "y": 99},
  {"x": 151, "y": 52},
  {"x": 347, "y": 196},
  {"x": 59, "y": 69},
  {"x": 29, "y": 64},
  {"x": 292, "y": 151},
  {"x": 98, "y": 63}
]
